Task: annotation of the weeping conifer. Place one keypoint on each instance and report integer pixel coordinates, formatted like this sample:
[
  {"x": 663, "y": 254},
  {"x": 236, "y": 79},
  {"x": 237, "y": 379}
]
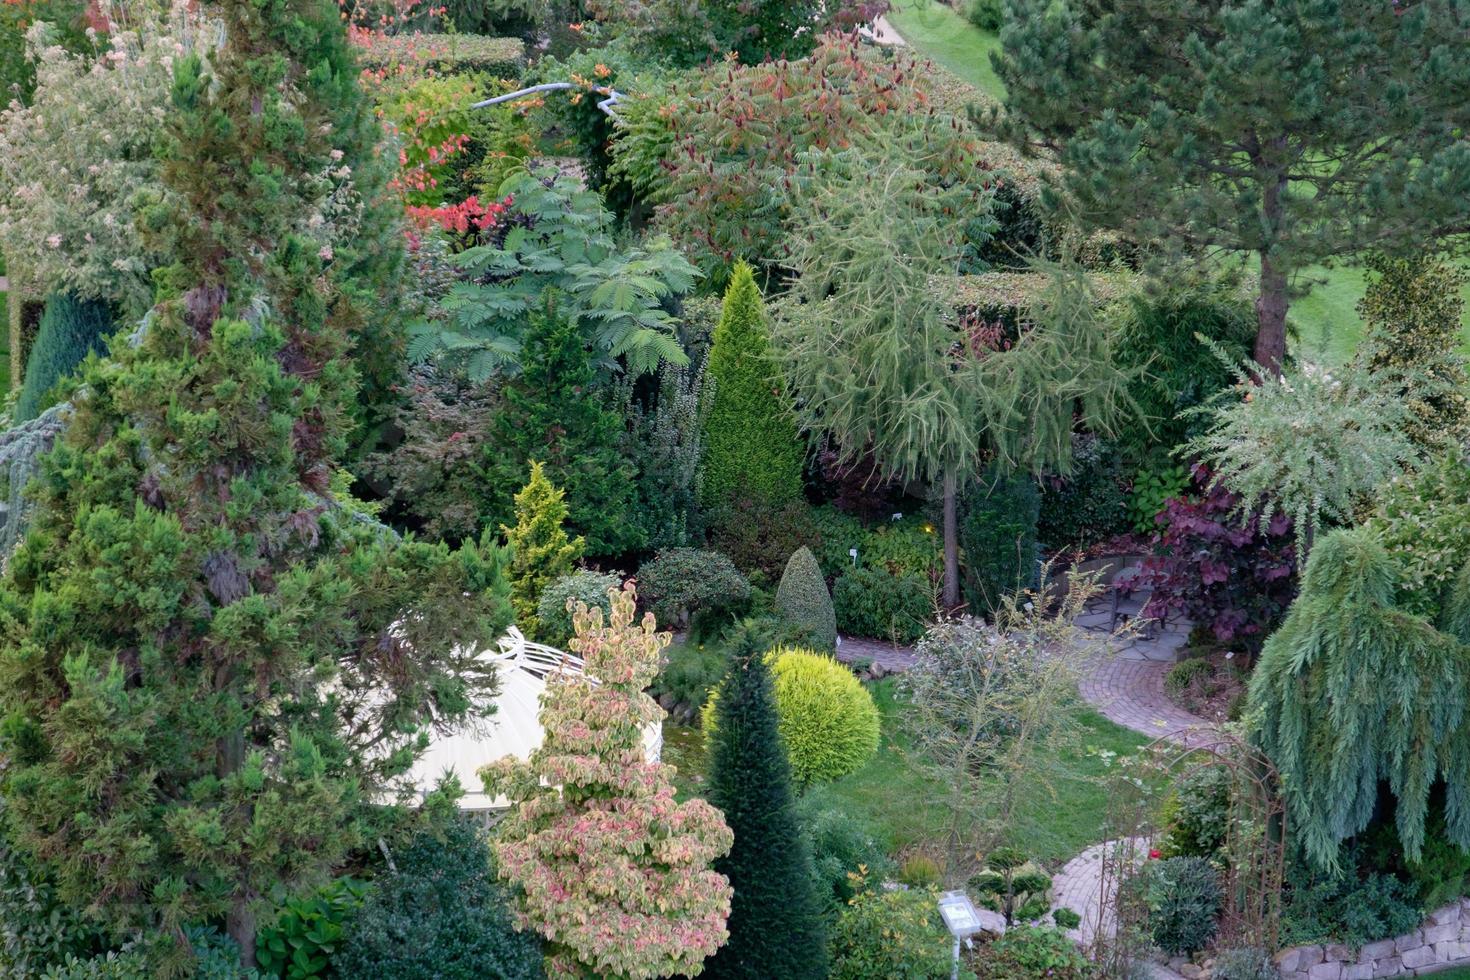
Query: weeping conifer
[
  {"x": 776, "y": 925},
  {"x": 210, "y": 663},
  {"x": 1352, "y": 694}
]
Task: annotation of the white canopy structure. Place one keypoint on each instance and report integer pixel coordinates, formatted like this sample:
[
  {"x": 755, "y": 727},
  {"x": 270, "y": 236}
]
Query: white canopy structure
[{"x": 514, "y": 729}]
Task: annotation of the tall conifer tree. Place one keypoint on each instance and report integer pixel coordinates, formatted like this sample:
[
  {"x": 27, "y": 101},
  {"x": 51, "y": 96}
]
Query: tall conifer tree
[
  {"x": 776, "y": 925},
  {"x": 1296, "y": 131},
  {"x": 210, "y": 662}
]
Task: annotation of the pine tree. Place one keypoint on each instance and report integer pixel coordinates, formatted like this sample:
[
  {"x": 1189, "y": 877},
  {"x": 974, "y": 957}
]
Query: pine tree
[
  {"x": 541, "y": 552},
  {"x": 1293, "y": 130},
  {"x": 207, "y": 672},
  {"x": 611, "y": 869},
  {"x": 553, "y": 413},
  {"x": 752, "y": 446},
  {"x": 776, "y": 924}
]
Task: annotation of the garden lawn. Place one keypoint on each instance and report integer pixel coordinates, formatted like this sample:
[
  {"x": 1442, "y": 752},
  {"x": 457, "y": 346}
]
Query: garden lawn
[
  {"x": 1327, "y": 321},
  {"x": 1062, "y": 804},
  {"x": 937, "y": 32}
]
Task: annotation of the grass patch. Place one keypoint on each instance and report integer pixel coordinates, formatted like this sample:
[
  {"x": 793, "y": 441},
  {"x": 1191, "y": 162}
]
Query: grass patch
[
  {"x": 937, "y": 32},
  {"x": 1326, "y": 318},
  {"x": 1062, "y": 803}
]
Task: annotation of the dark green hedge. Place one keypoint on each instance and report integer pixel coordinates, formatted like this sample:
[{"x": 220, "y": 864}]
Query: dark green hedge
[{"x": 70, "y": 330}]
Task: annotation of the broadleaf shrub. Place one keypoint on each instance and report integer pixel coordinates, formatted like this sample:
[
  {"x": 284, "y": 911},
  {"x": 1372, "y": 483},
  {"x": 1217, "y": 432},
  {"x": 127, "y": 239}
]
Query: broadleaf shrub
[
  {"x": 1345, "y": 907},
  {"x": 844, "y": 843},
  {"x": 680, "y": 583},
  {"x": 1183, "y": 897},
  {"x": 803, "y": 601},
  {"x": 439, "y": 914},
  {"x": 827, "y": 718},
  {"x": 585, "y": 586},
  {"x": 308, "y": 931},
  {"x": 890, "y": 934},
  {"x": 1089, "y": 504},
  {"x": 1233, "y": 576},
  {"x": 872, "y": 603},
  {"x": 760, "y": 537},
  {"x": 908, "y": 545},
  {"x": 1032, "y": 953}
]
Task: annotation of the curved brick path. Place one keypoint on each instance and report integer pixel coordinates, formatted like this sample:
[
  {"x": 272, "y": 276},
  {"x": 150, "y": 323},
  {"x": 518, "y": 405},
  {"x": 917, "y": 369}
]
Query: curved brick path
[{"x": 1131, "y": 693}]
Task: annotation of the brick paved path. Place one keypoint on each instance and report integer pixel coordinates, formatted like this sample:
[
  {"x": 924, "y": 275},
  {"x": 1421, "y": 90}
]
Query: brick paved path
[{"x": 892, "y": 658}]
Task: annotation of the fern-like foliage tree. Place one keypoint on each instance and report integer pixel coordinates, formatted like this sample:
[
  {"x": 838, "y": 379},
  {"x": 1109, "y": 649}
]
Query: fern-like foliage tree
[
  {"x": 559, "y": 235},
  {"x": 1354, "y": 693},
  {"x": 1310, "y": 443},
  {"x": 210, "y": 664},
  {"x": 876, "y": 356}
]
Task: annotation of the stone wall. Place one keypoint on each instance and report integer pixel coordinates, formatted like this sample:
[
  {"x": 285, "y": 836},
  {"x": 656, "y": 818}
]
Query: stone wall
[{"x": 1441, "y": 942}]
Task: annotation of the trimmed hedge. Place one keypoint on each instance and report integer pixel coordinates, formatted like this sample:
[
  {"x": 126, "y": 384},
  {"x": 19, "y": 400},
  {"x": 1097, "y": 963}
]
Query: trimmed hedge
[
  {"x": 803, "y": 601},
  {"x": 452, "y": 54}
]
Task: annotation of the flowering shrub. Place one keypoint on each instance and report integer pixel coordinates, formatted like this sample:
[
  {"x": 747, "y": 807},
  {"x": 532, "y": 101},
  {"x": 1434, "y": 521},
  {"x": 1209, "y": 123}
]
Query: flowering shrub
[
  {"x": 1231, "y": 575},
  {"x": 610, "y": 868},
  {"x": 73, "y": 162}
]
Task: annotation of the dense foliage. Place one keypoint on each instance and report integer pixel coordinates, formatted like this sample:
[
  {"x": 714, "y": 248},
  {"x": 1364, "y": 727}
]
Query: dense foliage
[
  {"x": 680, "y": 583},
  {"x": 998, "y": 523},
  {"x": 608, "y": 866},
  {"x": 890, "y": 934},
  {"x": 560, "y": 596},
  {"x": 70, "y": 329},
  {"x": 540, "y": 549},
  {"x": 776, "y": 924},
  {"x": 1183, "y": 897},
  {"x": 438, "y": 914},
  {"x": 874, "y": 603},
  {"x": 207, "y": 667}
]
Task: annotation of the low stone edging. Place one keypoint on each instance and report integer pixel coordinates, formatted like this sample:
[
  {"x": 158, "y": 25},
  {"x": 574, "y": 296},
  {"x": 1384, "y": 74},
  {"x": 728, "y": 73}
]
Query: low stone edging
[{"x": 1441, "y": 942}]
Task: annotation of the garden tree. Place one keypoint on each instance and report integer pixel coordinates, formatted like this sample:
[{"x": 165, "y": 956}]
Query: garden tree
[
  {"x": 879, "y": 362},
  {"x": 1294, "y": 130},
  {"x": 776, "y": 924},
  {"x": 553, "y": 412},
  {"x": 985, "y": 707},
  {"x": 541, "y": 552},
  {"x": 1307, "y": 444},
  {"x": 211, "y": 661},
  {"x": 609, "y": 867},
  {"x": 752, "y": 447},
  {"x": 1413, "y": 311},
  {"x": 70, "y": 329},
  {"x": 1355, "y": 692},
  {"x": 667, "y": 441}
]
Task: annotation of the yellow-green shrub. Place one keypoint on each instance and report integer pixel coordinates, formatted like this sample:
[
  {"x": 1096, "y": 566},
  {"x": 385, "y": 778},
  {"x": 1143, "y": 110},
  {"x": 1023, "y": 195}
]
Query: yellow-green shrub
[{"x": 827, "y": 718}]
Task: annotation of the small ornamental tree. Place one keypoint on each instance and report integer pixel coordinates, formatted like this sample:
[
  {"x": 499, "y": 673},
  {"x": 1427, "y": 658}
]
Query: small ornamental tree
[
  {"x": 752, "y": 446},
  {"x": 611, "y": 869},
  {"x": 541, "y": 550},
  {"x": 776, "y": 925}
]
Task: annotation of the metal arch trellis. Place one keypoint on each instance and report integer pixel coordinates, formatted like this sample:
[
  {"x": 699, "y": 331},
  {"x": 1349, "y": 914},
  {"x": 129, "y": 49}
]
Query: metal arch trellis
[{"x": 1254, "y": 848}]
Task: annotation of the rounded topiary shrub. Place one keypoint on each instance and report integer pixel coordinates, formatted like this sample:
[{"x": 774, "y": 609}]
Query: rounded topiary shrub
[
  {"x": 553, "y": 617},
  {"x": 680, "y": 583},
  {"x": 1183, "y": 898},
  {"x": 441, "y": 915},
  {"x": 803, "y": 601},
  {"x": 828, "y": 720}
]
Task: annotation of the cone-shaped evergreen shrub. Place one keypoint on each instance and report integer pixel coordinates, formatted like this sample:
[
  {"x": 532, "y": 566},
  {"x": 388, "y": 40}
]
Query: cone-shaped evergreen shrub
[
  {"x": 752, "y": 447},
  {"x": 70, "y": 329},
  {"x": 210, "y": 662},
  {"x": 776, "y": 924},
  {"x": 1352, "y": 694},
  {"x": 803, "y": 601},
  {"x": 541, "y": 552},
  {"x": 828, "y": 720}
]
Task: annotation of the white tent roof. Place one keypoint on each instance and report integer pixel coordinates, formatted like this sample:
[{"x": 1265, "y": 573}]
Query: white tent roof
[{"x": 514, "y": 729}]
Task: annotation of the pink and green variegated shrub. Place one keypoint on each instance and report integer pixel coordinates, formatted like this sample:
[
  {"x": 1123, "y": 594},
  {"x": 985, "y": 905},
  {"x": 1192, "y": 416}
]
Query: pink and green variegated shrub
[{"x": 614, "y": 872}]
